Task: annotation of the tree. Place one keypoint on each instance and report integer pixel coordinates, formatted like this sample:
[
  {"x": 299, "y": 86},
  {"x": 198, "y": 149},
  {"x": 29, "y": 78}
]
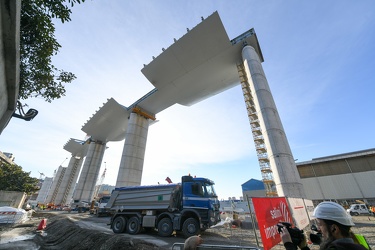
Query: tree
[
  {"x": 38, "y": 77},
  {"x": 13, "y": 178}
]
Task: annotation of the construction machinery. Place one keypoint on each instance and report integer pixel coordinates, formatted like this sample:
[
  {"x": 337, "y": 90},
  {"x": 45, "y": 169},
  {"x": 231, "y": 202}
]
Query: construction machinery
[
  {"x": 99, "y": 208},
  {"x": 190, "y": 206}
]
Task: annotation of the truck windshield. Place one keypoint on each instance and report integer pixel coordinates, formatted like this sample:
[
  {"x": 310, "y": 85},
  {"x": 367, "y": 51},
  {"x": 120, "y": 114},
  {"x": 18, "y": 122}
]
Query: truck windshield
[
  {"x": 105, "y": 199},
  {"x": 210, "y": 190}
]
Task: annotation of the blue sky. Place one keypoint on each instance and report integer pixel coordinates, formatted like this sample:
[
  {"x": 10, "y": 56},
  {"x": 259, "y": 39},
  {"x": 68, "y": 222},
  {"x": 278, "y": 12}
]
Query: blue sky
[{"x": 319, "y": 62}]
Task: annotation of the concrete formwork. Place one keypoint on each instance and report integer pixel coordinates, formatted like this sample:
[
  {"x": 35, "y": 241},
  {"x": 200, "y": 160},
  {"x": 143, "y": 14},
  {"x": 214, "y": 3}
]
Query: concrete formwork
[
  {"x": 285, "y": 174},
  {"x": 131, "y": 166}
]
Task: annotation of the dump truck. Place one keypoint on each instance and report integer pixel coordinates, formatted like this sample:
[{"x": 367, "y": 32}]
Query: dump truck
[
  {"x": 99, "y": 207},
  {"x": 190, "y": 207}
]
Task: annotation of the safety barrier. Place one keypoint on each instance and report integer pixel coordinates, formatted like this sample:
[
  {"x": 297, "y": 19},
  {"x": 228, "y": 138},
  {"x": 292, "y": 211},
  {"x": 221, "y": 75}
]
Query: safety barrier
[
  {"x": 8, "y": 213},
  {"x": 180, "y": 246},
  {"x": 7, "y": 219}
]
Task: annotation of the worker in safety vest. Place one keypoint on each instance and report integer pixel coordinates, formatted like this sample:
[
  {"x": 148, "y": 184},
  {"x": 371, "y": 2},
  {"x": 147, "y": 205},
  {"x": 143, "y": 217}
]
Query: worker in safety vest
[
  {"x": 373, "y": 210},
  {"x": 360, "y": 239}
]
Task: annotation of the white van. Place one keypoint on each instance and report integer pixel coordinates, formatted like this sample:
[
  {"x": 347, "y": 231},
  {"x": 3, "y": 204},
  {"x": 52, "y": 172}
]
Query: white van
[{"x": 357, "y": 209}]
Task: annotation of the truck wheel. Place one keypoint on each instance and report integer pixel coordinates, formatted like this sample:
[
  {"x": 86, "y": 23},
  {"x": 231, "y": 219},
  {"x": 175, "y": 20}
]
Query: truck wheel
[
  {"x": 165, "y": 227},
  {"x": 190, "y": 227},
  {"x": 119, "y": 225},
  {"x": 133, "y": 225}
]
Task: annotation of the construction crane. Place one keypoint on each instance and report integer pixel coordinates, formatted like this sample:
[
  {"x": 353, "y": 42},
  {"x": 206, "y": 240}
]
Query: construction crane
[
  {"x": 41, "y": 175},
  {"x": 100, "y": 182}
]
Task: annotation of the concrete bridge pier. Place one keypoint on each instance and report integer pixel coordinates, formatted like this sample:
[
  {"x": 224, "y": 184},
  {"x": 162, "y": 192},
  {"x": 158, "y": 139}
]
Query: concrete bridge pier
[
  {"x": 285, "y": 173},
  {"x": 90, "y": 172},
  {"x": 56, "y": 184},
  {"x": 65, "y": 192},
  {"x": 131, "y": 165}
]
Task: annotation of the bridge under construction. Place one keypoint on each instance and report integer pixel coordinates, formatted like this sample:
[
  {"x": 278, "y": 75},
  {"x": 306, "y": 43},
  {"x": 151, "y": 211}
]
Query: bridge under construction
[{"x": 199, "y": 65}]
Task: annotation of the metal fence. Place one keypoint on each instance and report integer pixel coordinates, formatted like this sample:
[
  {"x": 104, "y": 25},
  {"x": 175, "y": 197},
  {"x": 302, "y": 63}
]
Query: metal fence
[{"x": 180, "y": 246}]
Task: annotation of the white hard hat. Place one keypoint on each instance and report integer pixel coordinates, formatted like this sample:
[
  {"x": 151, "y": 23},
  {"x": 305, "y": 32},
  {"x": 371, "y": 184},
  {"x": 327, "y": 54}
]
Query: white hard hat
[{"x": 328, "y": 210}]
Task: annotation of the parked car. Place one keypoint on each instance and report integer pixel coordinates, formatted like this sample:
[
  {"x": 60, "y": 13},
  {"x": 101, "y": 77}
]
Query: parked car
[{"x": 357, "y": 209}]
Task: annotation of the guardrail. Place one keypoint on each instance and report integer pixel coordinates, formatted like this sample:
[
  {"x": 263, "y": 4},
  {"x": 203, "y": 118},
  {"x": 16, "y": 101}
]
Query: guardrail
[{"x": 180, "y": 246}]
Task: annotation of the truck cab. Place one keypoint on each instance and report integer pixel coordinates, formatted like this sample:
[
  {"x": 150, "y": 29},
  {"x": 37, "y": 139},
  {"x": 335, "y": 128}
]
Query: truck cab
[
  {"x": 199, "y": 194},
  {"x": 102, "y": 203},
  {"x": 357, "y": 209}
]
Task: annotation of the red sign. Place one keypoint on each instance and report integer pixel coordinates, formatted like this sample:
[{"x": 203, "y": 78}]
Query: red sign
[{"x": 269, "y": 212}]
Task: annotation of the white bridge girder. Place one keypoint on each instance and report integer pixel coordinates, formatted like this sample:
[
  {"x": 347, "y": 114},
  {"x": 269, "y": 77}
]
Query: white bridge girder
[{"x": 197, "y": 66}]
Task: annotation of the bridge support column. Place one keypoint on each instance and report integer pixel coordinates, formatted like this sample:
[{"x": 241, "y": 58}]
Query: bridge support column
[
  {"x": 131, "y": 166},
  {"x": 285, "y": 173},
  {"x": 90, "y": 172},
  {"x": 65, "y": 192}
]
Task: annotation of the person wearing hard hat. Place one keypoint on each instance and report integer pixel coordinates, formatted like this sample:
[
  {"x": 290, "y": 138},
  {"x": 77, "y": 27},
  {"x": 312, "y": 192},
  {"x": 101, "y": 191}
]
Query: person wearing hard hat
[{"x": 334, "y": 223}]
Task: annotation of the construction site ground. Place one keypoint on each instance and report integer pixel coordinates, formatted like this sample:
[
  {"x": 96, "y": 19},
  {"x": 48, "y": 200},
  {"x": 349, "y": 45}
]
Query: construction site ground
[{"x": 84, "y": 231}]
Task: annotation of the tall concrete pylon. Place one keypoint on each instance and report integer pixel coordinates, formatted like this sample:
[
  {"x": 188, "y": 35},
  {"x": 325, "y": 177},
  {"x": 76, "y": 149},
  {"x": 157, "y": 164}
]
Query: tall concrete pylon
[
  {"x": 285, "y": 173},
  {"x": 65, "y": 191},
  {"x": 57, "y": 180},
  {"x": 90, "y": 171},
  {"x": 131, "y": 165},
  {"x": 44, "y": 190}
]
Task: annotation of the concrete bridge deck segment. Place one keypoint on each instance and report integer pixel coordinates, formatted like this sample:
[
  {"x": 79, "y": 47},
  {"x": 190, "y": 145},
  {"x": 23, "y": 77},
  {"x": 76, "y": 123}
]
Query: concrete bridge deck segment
[
  {"x": 109, "y": 123},
  {"x": 77, "y": 147},
  {"x": 199, "y": 65}
]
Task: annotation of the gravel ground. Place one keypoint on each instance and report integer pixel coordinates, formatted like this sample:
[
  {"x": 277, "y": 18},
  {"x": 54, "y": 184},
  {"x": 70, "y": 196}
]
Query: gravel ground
[{"x": 66, "y": 233}]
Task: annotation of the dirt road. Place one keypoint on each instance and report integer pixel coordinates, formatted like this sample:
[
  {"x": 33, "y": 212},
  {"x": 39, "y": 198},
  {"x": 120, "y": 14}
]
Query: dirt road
[{"x": 83, "y": 231}]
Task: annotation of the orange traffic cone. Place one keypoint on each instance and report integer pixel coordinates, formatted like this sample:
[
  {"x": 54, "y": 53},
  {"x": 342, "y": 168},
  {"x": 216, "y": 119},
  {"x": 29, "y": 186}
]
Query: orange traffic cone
[{"x": 42, "y": 224}]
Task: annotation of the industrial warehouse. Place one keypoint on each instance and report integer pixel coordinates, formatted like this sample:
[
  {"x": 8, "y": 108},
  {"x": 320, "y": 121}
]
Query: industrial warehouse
[{"x": 345, "y": 178}]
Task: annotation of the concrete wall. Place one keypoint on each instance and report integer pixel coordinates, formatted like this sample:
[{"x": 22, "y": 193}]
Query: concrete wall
[
  {"x": 9, "y": 58},
  {"x": 12, "y": 198}
]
